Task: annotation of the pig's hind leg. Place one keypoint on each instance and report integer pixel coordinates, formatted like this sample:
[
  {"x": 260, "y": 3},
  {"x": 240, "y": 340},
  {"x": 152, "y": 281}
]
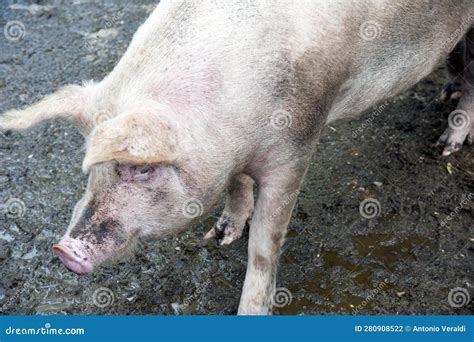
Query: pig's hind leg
[
  {"x": 238, "y": 209},
  {"x": 461, "y": 121}
]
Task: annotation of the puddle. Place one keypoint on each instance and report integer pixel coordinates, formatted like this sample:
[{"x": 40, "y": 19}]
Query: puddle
[
  {"x": 385, "y": 249},
  {"x": 376, "y": 246}
]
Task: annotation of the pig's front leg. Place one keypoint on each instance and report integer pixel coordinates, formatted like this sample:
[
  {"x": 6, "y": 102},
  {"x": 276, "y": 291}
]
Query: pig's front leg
[
  {"x": 238, "y": 209},
  {"x": 461, "y": 121},
  {"x": 278, "y": 190}
]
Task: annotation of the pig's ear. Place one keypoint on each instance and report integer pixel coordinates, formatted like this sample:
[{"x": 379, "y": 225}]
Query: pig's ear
[
  {"x": 68, "y": 102},
  {"x": 144, "y": 138}
]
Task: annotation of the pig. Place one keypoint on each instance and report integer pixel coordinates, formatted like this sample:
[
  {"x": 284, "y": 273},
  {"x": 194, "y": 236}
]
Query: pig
[{"x": 213, "y": 98}]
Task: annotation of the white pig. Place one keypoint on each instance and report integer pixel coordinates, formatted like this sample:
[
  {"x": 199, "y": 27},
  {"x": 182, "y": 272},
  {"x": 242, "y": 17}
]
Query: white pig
[{"x": 212, "y": 96}]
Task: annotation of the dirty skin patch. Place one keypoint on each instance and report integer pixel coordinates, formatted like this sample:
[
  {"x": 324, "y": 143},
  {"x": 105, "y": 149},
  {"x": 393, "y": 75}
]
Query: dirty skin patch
[
  {"x": 98, "y": 233},
  {"x": 84, "y": 220},
  {"x": 261, "y": 263},
  {"x": 220, "y": 228}
]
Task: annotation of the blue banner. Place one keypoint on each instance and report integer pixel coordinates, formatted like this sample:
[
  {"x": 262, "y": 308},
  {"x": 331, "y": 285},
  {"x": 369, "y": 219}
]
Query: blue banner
[{"x": 246, "y": 329}]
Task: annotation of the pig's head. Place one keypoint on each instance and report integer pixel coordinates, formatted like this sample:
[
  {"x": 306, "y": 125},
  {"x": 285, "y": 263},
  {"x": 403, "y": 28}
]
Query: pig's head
[{"x": 140, "y": 183}]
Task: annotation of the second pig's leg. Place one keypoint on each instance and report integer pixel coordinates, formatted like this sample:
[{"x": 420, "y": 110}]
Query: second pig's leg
[
  {"x": 461, "y": 121},
  {"x": 238, "y": 209}
]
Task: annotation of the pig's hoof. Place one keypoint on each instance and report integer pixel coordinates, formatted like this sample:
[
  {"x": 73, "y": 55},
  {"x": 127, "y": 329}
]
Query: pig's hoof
[
  {"x": 452, "y": 91},
  {"x": 226, "y": 230},
  {"x": 452, "y": 139}
]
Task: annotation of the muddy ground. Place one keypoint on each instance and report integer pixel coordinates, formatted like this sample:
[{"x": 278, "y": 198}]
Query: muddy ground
[{"x": 335, "y": 261}]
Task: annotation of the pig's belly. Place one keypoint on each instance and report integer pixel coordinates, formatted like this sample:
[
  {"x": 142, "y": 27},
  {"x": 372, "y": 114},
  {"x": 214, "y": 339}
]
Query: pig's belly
[
  {"x": 373, "y": 83},
  {"x": 402, "y": 54}
]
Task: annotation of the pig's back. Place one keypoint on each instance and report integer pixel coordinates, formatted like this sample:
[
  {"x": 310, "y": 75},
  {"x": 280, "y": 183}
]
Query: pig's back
[{"x": 244, "y": 60}]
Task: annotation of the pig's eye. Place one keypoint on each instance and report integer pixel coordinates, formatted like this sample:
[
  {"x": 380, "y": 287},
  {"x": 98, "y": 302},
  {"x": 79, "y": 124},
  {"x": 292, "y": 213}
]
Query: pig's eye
[
  {"x": 129, "y": 173},
  {"x": 145, "y": 170}
]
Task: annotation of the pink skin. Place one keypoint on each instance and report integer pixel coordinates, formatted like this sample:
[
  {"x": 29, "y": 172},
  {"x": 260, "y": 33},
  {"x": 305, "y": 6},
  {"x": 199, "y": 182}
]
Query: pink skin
[
  {"x": 74, "y": 253},
  {"x": 73, "y": 259}
]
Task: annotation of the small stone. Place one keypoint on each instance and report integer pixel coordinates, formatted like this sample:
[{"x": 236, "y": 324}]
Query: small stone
[
  {"x": 401, "y": 294},
  {"x": 35, "y": 10},
  {"x": 14, "y": 228},
  {"x": 379, "y": 184},
  {"x": 4, "y": 251},
  {"x": 388, "y": 243}
]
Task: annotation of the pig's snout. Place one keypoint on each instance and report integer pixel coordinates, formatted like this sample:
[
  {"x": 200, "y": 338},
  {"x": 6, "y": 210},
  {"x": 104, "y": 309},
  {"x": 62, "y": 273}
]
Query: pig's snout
[{"x": 73, "y": 260}]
